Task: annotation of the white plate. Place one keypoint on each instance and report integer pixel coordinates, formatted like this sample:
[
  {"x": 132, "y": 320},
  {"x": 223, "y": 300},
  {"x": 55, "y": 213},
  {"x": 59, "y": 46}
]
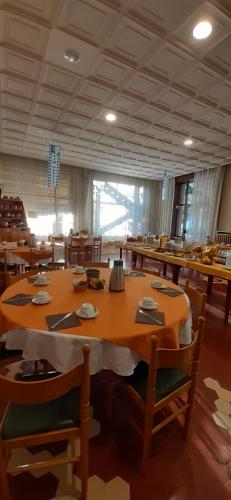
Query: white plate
[
  {"x": 41, "y": 284},
  {"x": 35, "y": 301},
  {"x": 227, "y": 267},
  {"x": 155, "y": 306},
  {"x": 96, "y": 312},
  {"x": 79, "y": 272}
]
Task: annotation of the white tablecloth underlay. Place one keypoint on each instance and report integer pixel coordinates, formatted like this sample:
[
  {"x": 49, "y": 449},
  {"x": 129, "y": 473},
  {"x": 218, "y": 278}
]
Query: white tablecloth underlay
[{"x": 63, "y": 350}]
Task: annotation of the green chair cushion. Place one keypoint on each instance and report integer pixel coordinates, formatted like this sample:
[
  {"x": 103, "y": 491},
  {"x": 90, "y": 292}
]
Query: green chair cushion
[
  {"x": 167, "y": 380},
  {"x": 61, "y": 413}
]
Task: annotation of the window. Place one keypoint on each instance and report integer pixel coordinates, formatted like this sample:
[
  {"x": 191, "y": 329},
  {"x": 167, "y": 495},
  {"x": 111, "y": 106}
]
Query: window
[
  {"x": 182, "y": 210},
  {"x": 118, "y": 209}
]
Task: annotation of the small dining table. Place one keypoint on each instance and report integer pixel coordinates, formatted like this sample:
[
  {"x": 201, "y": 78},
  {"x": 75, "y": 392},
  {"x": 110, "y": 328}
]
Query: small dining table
[{"x": 114, "y": 329}]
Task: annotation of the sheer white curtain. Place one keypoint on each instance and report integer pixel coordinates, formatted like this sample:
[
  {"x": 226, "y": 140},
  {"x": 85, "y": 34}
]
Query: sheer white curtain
[
  {"x": 164, "y": 208},
  {"x": 121, "y": 205},
  {"x": 207, "y": 188}
]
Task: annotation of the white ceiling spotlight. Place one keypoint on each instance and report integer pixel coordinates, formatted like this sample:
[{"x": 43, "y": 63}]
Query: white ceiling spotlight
[
  {"x": 202, "y": 30},
  {"x": 71, "y": 56},
  {"x": 110, "y": 117},
  {"x": 188, "y": 142}
]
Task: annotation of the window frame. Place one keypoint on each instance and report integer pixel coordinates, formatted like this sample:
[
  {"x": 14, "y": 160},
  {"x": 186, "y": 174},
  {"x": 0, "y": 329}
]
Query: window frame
[{"x": 179, "y": 182}]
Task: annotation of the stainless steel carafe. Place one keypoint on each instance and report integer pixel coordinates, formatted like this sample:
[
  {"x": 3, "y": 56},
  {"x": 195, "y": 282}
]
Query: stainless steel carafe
[{"x": 116, "y": 282}]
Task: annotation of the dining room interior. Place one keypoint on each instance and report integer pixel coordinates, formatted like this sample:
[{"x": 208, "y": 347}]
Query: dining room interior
[{"x": 115, "y": 249}]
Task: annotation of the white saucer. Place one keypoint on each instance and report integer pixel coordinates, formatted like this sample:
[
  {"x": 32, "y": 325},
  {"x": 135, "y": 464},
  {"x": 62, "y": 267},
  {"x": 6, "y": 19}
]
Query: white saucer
[
  {"x": 96, "y": 312},
  {"x": 155, "y": 306},
  {"x": 41, "y": 284},
  {"x": 157, "y": 287},
  {"x": 79, "y": 272},
  {"x": 35, "y": 301}
]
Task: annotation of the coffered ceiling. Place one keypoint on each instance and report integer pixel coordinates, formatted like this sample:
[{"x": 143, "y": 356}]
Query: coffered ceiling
[{"x": 139, "y": 59}]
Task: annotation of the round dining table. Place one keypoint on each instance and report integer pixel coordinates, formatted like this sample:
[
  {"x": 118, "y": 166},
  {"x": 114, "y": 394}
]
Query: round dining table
[{"x": 114, "y": 327}]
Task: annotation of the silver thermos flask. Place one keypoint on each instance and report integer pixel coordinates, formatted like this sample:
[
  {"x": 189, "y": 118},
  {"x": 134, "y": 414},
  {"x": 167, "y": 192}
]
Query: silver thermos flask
[{"x": 116, "y": 282}]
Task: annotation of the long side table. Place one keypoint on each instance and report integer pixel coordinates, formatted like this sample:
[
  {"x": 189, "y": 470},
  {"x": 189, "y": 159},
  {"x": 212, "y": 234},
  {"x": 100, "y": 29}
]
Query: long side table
[{"x": 214, "y": 270}]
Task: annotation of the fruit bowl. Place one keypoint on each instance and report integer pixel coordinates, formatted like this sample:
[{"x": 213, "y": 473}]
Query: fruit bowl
[{"x": 79, "y": 285}]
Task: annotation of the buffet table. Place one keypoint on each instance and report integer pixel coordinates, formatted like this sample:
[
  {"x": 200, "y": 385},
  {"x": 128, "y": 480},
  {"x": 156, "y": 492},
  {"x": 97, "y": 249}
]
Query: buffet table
[
  {"x": 214, "y": 270},
  {"x": 117, "y": 341}
]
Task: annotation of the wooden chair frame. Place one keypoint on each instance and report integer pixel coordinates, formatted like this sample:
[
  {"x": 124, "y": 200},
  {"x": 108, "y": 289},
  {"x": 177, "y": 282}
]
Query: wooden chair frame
[
  {"x": 187, "y": 359},
  {"x": 29, "y": 393},
  {"x": 91, "y": 263},
  {"x": 198, "y": 300}
]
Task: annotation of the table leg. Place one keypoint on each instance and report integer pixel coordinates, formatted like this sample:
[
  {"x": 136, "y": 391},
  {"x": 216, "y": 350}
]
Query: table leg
[
  {"x": 227, "y": 302},
  {"x": 141, "y": 261},
  {"x": 134, "y": 259},
  {"x": 175, "y": 273},
  {"x": 165, "y": 269},
  {"x": 121, "y": 253},
  {"x": 209, "y": 285}
]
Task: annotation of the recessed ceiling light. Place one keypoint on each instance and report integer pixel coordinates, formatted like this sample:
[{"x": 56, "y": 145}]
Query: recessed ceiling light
[
  {"x": 110, "y": 117},
  {"x": 188, "y": 142},
  {"x": 71, "y": 56},
  {"x": 202, "y": 30}
]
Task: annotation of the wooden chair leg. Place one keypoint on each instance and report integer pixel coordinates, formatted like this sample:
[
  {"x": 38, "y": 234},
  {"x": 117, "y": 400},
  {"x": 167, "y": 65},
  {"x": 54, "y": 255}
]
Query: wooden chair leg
[
  {"x": 147, "y": 439},
  {"x": 188, "y": 415},
  {"x": 4, "y": 488}
]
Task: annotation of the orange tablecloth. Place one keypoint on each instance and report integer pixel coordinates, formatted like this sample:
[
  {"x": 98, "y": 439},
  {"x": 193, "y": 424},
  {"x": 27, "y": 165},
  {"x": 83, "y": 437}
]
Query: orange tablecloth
[
  {"x": 31, "y": 255},
  {"x": 116, "y": 321}
]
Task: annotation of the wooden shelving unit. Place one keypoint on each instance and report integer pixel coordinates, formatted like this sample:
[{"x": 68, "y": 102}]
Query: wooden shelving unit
[{"x": 13, "y": 223}]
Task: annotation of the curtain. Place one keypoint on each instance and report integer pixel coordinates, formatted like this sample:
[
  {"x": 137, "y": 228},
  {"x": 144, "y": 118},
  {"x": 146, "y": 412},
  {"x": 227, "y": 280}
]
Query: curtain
[
  {"x": 206, "y": 196},
  {"x": 164, "y": 208},
  {"x": 121, "y": 205},
  {"x": 73, "y": 205}
]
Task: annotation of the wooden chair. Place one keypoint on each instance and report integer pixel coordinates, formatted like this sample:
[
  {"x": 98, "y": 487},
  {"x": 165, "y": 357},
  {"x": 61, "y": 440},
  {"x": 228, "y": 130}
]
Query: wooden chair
[
  {"x": 94, "y": 250},
  {"x": 154, "y": 387},
  {"x": 46, "y": 412},
  {"x": 197, "y": 303},
  {"x": 11, "y": 279},
  {"x": 75, "y": 250}
]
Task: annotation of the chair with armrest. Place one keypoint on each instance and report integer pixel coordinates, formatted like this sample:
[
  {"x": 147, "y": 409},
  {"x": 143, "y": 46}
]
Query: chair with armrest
[
  {"x": 156, "y": 386},
  {"x": 197, "y": 303},
  {"x": 46, "y": 412}
]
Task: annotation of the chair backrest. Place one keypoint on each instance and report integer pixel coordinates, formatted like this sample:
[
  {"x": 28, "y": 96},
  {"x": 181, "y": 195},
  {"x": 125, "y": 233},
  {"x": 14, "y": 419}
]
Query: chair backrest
[
  {"x": 57, "y": 239},
  {"x": 186, "y": 358},
  {"x": 97, "y": 241},
  {"x": 197, "y": 303},
  {"x": 76, "y": 241},
  {"x": 29, "y": 393},
  {"x": 90, "y": 263}
]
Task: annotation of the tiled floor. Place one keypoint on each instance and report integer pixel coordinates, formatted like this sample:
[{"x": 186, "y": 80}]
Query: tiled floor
[{"x": 197, "y": 470}]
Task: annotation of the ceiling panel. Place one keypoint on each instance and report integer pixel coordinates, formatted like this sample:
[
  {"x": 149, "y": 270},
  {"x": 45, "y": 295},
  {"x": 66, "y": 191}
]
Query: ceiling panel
[{"x": 138, "y": 59}]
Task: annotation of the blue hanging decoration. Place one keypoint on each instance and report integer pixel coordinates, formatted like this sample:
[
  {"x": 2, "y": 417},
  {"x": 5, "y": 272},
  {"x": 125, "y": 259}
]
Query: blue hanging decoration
[
  {"x": 53, "y": 166},
  {"x": 164, "y": 192}
]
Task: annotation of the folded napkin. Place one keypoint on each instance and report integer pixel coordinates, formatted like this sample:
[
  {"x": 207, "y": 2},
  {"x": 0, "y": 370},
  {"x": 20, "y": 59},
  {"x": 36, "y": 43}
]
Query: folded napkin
[
  {"x": 150, "y": 317},
  {"x": 136, "y": 273},
  {"x": 172, "y": 292},
  {"x": 21, "y": 299},
  {"x": 69, "y": 322}
]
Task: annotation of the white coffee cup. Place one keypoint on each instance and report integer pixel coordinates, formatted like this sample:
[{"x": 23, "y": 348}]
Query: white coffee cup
[
  {"x": 87, "y": 309},
  {"x": 41, "y": 279},
  {"x": 79, "y": 268},
  {"x": 156, "y": 284},
  {"x": 42, "y": 297},
  {"x": 228, "y": 261},
  {"x": 147, "y": 302}
]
